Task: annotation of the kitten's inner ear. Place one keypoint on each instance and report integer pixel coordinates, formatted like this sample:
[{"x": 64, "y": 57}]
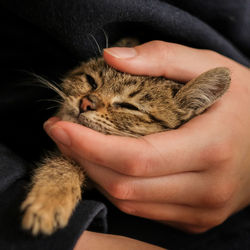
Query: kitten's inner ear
[{"x": 203, "y": 91}]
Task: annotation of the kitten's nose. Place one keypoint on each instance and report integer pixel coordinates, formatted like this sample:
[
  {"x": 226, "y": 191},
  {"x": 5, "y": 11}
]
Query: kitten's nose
[{"x": 86, "y": 104}]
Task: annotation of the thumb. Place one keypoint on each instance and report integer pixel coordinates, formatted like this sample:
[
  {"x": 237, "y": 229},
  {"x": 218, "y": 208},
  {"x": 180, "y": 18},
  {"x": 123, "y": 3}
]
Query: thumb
[{"x": 158, "y": 58}]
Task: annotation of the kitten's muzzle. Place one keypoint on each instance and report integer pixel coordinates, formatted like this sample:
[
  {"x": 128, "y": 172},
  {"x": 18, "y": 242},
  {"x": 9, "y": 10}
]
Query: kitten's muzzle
[{"x": 89, "y": 103}]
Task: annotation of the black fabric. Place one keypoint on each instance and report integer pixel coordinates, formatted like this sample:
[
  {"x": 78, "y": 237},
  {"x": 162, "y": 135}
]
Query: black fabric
[
  {"x": 51, "y": 36},
  {"x": 89, "y": 214}
]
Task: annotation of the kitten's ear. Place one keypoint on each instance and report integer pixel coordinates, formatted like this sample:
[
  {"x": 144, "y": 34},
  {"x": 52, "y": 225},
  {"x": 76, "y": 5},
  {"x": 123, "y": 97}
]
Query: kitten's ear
[
  {"x": 203, "y": 91},
  {"x": 127, "y": 42}
]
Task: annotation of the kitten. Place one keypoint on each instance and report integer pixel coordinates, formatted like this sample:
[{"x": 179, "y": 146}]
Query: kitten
[{"x": 101, "y": 98}]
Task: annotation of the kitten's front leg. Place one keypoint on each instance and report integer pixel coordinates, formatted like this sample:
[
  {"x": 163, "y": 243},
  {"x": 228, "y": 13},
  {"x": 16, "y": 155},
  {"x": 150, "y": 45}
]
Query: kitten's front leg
[{"x": 56, "y": 190}]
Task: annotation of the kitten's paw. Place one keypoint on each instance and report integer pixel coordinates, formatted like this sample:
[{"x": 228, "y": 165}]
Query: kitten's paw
[{"x": 45, "y": 212}]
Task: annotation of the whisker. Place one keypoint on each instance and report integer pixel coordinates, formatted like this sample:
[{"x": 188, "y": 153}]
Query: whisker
[
  {"x": 52, "y": 107},
  {"x": 50, "y": 100},
  {"x": 106, "y": 38},
  {"x": 56, "y": 84},
  {"x": 45, "y": 83},
  {"x": 39, "y": 81},
  {"x": 109, "y": 127},
  {"x": 97, "y": 45},
  {"x": 92, "y": 46}
]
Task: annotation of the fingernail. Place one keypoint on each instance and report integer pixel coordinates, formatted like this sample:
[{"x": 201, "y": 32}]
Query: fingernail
[
  {"x": 121, "y": 53},
  {"x": 50, "y": 122},
  {"x": 59, "y": 135}
]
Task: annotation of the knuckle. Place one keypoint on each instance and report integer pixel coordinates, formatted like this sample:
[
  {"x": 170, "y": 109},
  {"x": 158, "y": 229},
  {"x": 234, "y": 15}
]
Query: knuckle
[
  {"x": 219, "y": 195},
  {"x": 217, "y": 219},
  {"x": 159, "y": 44},
  {"x": 120, "y": 190},
  {"x": 138, "y": 166},
  {"x": 201, "y": 221},
  {"x": 196, "y": 230},
  {"x": 210, "y": 221},
  {"x": 133, "y": 166},
  {"x": 219, "y": 153},
  {"x": 166, "y": 50},
  {"x": 126, "y": 207}
]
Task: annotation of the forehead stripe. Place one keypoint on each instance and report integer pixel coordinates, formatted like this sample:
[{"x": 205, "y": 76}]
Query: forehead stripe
[{"x": 132, "y": 94}]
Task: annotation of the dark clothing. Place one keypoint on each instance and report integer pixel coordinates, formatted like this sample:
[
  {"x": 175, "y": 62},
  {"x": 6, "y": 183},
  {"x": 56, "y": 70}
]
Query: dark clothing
[{"x": 49, "y": 37}]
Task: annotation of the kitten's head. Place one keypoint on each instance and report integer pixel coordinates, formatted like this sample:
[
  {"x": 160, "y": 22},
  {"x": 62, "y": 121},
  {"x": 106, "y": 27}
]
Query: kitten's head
[{"x": 111, "y": 102}]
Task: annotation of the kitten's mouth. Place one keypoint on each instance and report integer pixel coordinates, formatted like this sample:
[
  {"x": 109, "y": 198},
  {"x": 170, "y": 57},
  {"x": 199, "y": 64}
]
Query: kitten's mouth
[
  {"x": 83, "y": 120},
  {"x": 102, "y": 126}
]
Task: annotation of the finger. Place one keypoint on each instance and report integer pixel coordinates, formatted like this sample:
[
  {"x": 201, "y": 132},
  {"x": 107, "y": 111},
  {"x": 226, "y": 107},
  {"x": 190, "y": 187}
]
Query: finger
[
  {"x": 50, "y": 122},
  {"x": 171, "y": 60},
  {"x": 171, "y": 212},
  {"x": 189, "y": 188},
  {"x": 189, "y": 228},
  {"x": 131, "y": 156}
]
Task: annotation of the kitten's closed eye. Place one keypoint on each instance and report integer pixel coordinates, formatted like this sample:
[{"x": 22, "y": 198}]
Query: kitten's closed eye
[
  {"x": 126, "y": 105},
  {"x": 91, "y": 81}
]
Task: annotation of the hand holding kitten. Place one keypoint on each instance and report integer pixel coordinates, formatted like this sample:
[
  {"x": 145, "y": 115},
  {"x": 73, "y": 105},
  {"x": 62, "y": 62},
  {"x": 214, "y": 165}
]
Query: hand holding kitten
[{"x": 192, "y": 178}]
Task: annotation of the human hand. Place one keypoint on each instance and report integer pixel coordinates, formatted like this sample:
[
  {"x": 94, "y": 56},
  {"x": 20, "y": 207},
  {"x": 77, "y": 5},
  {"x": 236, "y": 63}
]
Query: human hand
[
  {"x": 192, "y": 178},
  {"x": 93, "y": 240}
]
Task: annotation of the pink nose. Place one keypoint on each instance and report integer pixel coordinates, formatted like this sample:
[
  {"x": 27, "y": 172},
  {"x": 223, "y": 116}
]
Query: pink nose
[{"x": 86, "y": 105}]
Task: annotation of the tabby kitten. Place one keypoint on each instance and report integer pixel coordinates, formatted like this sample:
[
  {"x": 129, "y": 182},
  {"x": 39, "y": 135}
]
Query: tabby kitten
[{"x": 99, "y": 97}]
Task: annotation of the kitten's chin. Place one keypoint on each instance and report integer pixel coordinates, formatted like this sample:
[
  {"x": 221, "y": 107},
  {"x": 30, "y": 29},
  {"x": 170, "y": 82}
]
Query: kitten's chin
[
  {"x": 83, "y": 120},
  {"x": 97, "y": 125},
  {"x": 69, "y": 118},
  {"x": 101, "y": 126}
]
